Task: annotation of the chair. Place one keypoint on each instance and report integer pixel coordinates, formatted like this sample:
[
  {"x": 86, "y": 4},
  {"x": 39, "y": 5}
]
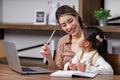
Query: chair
[{"x": 114, "y": 61}]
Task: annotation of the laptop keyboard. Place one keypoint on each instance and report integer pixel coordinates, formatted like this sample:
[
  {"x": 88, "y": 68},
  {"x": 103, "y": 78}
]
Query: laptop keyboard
[{"x": 28, "y": 69}]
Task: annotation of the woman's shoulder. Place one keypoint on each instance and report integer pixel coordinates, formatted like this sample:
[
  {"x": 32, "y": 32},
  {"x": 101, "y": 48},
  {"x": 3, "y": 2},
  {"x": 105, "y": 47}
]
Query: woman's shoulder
[{"x": 65, "y": 38}]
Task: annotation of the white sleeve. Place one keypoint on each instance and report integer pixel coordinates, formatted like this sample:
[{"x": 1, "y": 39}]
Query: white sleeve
[
  {"x": 100, "y": 67},
  {"x": 74, "y": 61},
  {"x": 66, "y": 66}
]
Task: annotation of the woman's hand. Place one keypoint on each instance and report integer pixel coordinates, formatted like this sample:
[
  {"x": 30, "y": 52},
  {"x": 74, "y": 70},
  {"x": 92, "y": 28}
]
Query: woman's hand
[{"x": 45, "y": 51}]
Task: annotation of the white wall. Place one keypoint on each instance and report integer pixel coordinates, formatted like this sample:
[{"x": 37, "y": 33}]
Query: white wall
[
  {"x": 114, "y": 6},
  {"x": 22, "y": 11},
  {"x": 0, "y": 10}
]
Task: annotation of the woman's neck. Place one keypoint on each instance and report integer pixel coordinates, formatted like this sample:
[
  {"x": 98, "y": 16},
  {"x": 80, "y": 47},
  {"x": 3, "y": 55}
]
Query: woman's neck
[
  {"x": 75, "y": 37},
  {"x": 75, "y": 43}
]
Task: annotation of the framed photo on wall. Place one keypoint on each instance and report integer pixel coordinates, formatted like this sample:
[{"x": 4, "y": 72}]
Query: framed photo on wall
[{"x": 40, "y": 17}]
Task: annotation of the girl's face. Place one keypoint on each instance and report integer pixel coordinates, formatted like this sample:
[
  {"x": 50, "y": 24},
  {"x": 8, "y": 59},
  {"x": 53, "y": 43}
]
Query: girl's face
[
  {"x": 83, "y": 43},
  {"x": 70, "y": 24}
]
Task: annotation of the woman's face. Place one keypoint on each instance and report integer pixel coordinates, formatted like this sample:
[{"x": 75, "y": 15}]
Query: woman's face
[{"x": 70, "y": 24}]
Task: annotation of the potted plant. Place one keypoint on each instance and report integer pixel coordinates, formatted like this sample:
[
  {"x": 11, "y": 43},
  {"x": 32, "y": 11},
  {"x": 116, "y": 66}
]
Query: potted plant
[{"x": 101, "y": 15}]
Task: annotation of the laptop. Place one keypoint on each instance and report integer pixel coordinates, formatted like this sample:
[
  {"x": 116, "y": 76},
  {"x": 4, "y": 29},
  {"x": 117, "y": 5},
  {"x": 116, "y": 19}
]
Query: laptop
[{"x": 14, "y": 62}]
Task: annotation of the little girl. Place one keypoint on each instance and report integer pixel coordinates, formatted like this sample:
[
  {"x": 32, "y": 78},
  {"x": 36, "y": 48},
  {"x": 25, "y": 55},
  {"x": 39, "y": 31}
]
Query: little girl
[{"x": 90, "y": 57}]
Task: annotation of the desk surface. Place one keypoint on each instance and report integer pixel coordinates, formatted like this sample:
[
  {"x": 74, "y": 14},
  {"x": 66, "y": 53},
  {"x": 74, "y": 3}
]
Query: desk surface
[{"x": 7, "y": 74}]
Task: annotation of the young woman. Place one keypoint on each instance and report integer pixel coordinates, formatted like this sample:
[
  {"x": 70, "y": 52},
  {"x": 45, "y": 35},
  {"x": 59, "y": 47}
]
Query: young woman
[
  {"x": 91, "y": 57},
  {"x": 71, "y": 23}
]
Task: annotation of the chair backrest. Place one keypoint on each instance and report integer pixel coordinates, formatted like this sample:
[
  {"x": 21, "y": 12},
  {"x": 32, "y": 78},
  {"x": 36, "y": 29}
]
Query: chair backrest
[{"x": 114, "y": 61}]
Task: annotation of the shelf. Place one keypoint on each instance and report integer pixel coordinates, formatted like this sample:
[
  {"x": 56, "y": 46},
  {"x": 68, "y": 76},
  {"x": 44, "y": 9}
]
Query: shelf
[
  {"x": 51, "y": 27},
  {"x": 29, "y": 26},
  {"x": 110, "y": 28}
]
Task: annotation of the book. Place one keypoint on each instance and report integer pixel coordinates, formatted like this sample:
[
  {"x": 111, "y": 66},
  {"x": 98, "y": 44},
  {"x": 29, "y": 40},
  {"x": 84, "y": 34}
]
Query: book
[{"x": 61, "y": 73}]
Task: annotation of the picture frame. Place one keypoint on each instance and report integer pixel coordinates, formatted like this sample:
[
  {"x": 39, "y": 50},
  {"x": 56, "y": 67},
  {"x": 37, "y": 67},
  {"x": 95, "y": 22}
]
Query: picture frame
[{"x": 40, "y": 17}]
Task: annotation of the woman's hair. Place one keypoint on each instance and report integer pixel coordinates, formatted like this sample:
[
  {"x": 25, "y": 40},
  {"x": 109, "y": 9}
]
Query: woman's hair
[
  {"x": 67, "y": 10},
  {"x": 97, "y": 39}
]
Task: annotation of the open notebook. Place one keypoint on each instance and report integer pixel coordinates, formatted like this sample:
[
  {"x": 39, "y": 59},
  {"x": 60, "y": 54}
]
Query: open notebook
[
  {"x": 61, "y": 73},
  {"x": 14, "y": 62}
]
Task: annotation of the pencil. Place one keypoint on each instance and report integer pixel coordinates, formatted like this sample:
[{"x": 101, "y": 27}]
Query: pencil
[{"x": 51, "y": 37}]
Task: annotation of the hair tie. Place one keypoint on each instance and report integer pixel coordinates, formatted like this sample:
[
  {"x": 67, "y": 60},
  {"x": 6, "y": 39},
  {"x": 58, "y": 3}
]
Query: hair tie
[{"x": 99, "y": 38}]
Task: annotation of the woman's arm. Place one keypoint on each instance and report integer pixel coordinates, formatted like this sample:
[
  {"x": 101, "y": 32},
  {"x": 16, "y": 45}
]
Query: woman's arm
[
  {"x": 45, "y": 51},
  {"x": 57, "y": 63}
]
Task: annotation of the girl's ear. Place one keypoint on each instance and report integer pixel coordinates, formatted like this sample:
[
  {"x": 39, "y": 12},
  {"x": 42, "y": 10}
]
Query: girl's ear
[{"x": 86, "y": 43}]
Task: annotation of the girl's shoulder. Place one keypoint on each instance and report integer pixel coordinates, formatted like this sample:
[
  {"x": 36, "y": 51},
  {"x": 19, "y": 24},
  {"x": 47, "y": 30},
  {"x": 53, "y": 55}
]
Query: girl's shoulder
[{"x": 98, "y": 57}]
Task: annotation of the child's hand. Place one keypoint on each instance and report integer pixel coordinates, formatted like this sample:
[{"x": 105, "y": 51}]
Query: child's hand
[
  {"x": 81, "y": 66},
  {"x": 72, "y": 66}
]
